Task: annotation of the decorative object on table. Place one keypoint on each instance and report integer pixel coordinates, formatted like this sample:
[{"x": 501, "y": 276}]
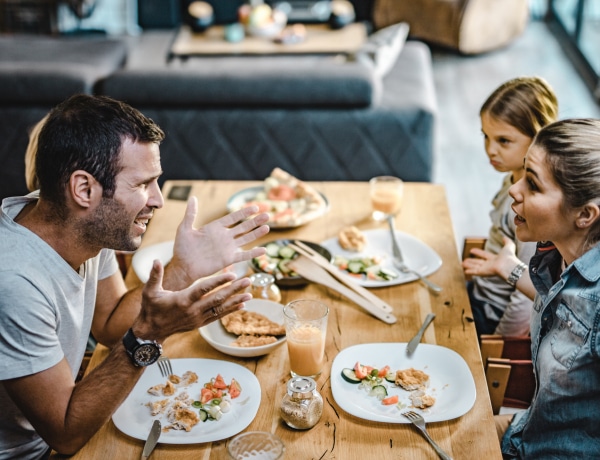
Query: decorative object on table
[
  {"x": 289, "y": 201},
  {"x": 386, "y": 196},
  {"x": 417, "y": 254},
  {"x": 276, "y": 262},
  {"x": 306, "y": 327},
  {"x": 263, "y": 287},
  {"x": 134, "y": 417},
  {"x": 199, "y": 16},
  {"x": 450, "y": 381},
  {"x": 234, "y": 33},
  {"x": 152, "y": 439},
  {"x": 261, "y": 20},
  {"x": 302, "y": 406},
  {"x": 399, "y": 259},
  {"x": 342, "y": 14},
  {"x": 291, "y": 35},
  {"x": 255, "y": 444},
  {"x": 217, "y": 336},
  {"x": 414, "y": 342}
]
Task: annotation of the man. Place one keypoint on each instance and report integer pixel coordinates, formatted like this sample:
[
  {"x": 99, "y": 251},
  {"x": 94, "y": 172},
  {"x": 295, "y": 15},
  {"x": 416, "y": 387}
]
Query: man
[{"x": 97, "y": 164}]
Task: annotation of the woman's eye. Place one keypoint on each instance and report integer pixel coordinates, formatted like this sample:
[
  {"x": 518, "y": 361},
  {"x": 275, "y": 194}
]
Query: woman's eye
[{"x": 532, "y": 185}]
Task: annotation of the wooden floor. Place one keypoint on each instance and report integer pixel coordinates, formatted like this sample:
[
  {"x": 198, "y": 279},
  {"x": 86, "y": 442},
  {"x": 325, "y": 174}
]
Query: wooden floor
[{"x": 462, "y": 85}]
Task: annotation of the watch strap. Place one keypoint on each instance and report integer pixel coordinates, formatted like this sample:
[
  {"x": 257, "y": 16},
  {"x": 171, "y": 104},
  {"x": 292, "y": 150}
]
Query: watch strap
[{"x": 516, "y": 274}]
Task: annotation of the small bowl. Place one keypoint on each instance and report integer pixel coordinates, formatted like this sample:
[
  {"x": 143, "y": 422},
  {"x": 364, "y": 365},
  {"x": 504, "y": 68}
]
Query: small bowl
[
  {"x": 291, "y": 281},
  {"x": 218, "y": 338}
]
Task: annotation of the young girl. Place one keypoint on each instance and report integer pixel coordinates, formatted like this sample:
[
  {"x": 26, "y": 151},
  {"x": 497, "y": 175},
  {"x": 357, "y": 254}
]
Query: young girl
[
  {"x": 557, "y": 203},
  {"x": 510, "y": 118}
]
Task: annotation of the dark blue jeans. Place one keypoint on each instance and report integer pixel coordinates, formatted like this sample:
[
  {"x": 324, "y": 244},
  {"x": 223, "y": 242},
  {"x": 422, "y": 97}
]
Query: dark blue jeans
[{"x": 483, "y": 324}]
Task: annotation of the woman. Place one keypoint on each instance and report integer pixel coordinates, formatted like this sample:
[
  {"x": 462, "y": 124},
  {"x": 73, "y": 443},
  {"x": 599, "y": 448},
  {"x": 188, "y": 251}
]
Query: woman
[{"x": 557, "y": 203}]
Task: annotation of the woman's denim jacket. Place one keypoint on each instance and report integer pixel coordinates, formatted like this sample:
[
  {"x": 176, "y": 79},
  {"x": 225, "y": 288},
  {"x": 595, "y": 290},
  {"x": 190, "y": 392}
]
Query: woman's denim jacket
[{"x": 563, "y": 420}]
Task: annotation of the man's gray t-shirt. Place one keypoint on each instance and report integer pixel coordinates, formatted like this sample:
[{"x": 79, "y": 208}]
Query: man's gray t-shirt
[{"x": 46, "y": 311}]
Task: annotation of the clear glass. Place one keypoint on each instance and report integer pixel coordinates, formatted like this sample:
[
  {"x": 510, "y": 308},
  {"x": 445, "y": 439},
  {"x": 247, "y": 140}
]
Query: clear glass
[
  {"x": 386, "y": 196},
  {"x": 256, "y": 445},
  {"x": 306, "y": 328}
]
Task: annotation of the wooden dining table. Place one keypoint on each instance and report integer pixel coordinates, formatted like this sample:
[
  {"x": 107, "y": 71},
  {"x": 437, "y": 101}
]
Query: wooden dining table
[{"x": 338, "y": 434}]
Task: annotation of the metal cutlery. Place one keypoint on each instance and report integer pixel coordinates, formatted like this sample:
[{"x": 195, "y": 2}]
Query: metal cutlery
[
  {"x": 164, "y": 364},
  {"x": 399, "y": 260},
  {"x": 308, "y": 252},
  {"x": 412, "y": 345},
  {"x": 152, "y": 439},
  {"x": 418, "y": 421},
  {"x": 306, "y": 268}
]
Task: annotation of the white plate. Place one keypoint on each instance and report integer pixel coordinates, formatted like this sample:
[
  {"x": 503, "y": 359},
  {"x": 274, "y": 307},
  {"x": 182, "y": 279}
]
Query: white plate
[
  {"x": 133, "y": 416},
  {"x": 216, "y": 335},
  {"x": 451, "y": 381},
  {"x": 143, "y": 259},
  {"x": 239, "y": 199},
  {"x": 417, "y": 255}
]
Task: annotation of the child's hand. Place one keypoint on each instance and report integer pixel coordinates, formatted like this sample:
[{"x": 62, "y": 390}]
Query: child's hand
[{"x": 486, "y": 263}]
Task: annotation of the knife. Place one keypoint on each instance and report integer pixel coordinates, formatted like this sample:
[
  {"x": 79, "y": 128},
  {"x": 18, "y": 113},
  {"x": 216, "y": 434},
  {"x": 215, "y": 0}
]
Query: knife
[
  {"x": 412, "y": 345},
  {"x": 152, "y": 439}
]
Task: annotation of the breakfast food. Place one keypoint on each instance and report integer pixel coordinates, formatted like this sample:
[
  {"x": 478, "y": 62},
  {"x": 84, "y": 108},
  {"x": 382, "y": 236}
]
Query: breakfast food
[
  {"x": 243, "y": 322},
  {"x": 411, "y": 379},
  {"x": 289, "y": 201},
  {"x": 421, "y": 400},
  {"x": 352, "y": 239},
  {"x": 253, "y": 340}
]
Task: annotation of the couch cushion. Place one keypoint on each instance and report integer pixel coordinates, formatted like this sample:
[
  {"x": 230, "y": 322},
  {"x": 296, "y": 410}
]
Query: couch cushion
[
  {"x": 383, "y": 47},
  {"x": 48, "y": 69},
  {"x": 306, "y": 81}
]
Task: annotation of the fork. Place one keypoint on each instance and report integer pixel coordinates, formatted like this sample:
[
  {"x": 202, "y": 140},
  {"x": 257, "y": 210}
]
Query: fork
[
  {"x": 418, "y": 421},
  {"x": 399, "y": 260},
  {"x": 164, "y": 364}
]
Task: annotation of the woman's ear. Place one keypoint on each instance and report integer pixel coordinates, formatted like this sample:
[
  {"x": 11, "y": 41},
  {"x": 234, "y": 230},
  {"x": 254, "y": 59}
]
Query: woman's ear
[
  {"x": 588, "y": 214},
  {"x": 84, "y": 188}
]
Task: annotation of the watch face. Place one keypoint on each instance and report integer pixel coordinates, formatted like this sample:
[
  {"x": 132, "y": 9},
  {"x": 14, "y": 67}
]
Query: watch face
[{"x": 146, "y": 354}]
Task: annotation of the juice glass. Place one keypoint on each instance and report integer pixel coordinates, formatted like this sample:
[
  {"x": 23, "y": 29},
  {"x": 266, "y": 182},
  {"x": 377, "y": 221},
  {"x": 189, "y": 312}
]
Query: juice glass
[
  {"x": 386, "y": 196},
  {"x": 306, "y": 327}
]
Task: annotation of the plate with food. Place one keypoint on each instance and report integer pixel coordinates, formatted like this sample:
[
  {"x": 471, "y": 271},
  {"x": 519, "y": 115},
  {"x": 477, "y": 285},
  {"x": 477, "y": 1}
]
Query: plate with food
[
  {"x": 255, "y": 330},
  {"x": 275, "y": 261},
  {"x": 366, "y": 256},
  {"x": 289, "y": 201},
  {"x": 143, "y": 259},
  {"x": 205, "y": 400},
  {"x": 378, "y": 381}
]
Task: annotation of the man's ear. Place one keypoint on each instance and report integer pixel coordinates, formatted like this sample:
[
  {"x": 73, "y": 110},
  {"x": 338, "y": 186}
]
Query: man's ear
[
  {"x": 588, "y": 214},
  {"x": 84, "y": 188}
]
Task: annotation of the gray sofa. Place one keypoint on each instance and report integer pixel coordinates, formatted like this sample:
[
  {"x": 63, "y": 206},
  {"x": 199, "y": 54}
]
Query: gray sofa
[{"x": 239, "y": 117}]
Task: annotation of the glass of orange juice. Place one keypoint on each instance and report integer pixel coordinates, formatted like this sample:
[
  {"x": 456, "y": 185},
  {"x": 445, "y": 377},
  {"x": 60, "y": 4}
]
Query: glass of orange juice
[
  {"x": 386, "y": 196},
  {"x": 306, "y": 327}
]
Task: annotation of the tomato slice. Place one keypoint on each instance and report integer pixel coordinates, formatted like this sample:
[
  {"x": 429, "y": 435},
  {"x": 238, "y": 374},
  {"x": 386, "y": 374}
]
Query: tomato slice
[
  {"x": 360, "y": 371},
  {"x": 383, "y": 371},
  {"x": 206, "y": 395},
  {"x": 234, "y": 389},
  {"x": 219, "y": 383},
  {"x": 390, "y": 400}
]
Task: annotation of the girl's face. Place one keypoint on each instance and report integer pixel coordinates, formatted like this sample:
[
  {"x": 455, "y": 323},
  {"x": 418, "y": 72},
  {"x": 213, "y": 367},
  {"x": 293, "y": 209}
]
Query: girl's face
[
  {"x": 538, "y": 203},
  {"x": 505, "y": 145}
]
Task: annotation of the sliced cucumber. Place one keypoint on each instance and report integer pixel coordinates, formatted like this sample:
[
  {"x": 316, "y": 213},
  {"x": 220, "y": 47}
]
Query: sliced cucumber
[
  {"x": 349, "y": 375},
  {"x": 203, "y": 415},
  {"x": 272, "y": 249},
  {"x": 391, "y": 377},
  {"x": 388, "y": 274},
  {"x": 379, "y": 391},
  {"x": 283, "y": 267},
  {"x": 286, "y": 252},
  {"x": 355, "y": 266}
]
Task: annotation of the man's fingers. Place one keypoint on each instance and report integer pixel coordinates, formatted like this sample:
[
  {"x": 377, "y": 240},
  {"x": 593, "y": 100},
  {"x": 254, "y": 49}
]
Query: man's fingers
[
  {"x": 191, "y": 211},
  {"x": 156, "y": 275}
]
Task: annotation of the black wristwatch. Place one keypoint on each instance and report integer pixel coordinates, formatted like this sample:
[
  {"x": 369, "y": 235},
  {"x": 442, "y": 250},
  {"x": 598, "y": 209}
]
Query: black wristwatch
[{"x": 142, "y": 352}]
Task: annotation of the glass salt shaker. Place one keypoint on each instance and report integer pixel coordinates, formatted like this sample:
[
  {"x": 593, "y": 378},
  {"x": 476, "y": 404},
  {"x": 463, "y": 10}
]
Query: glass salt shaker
[
  {"x": 302, "y": 406},
  {"x": 263, "y": 287}
]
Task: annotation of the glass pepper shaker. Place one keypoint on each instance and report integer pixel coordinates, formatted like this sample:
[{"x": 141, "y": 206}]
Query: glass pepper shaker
[
  {"x": 302, "y": 406},
  {"x": 263, "y": 287}
]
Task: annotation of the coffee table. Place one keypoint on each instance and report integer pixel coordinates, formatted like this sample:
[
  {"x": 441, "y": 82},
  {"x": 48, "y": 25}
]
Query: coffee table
[{"x": 320, "y": 39}]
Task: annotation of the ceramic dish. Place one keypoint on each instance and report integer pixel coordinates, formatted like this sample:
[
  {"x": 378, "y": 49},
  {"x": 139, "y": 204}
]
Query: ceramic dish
[
  {"x": 239, "y": 199},
  {"x": 286, "y": 280},
  {"x": 218, "y": 338},
  {"x": 417, "y": 255},
  {"x": 451, "y": 382},
  {"x": 134, "y": 419},
  {"x": 142, "y": 260}
]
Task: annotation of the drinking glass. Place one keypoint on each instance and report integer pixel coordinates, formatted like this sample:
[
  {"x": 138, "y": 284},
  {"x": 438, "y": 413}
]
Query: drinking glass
[
  {"x": 256, "y": 445},
  {"x": 306, "y": 327},
  {"x": 386, "y": 196}
]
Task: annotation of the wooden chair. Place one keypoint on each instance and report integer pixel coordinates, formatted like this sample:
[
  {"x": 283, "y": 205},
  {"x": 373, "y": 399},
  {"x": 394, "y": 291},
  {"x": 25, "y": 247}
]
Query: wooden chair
[
  {"x": 508, "y": 370},
  {"x": 469, "y": 243}
]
